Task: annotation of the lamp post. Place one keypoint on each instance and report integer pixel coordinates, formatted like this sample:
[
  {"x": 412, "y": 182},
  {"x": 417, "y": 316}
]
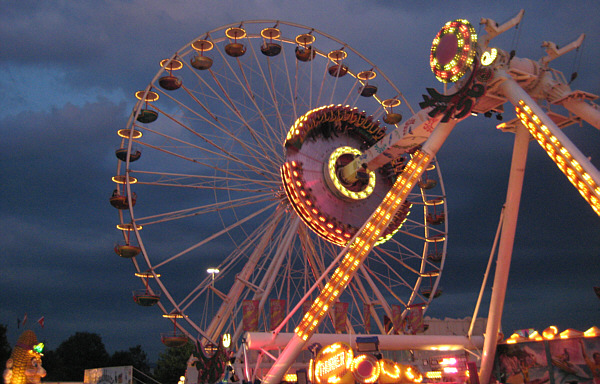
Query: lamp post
[{"x": 213, "y": 272}]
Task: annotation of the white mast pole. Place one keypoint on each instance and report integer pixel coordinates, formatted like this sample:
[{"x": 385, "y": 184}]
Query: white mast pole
[{"x": 509, "y": 226}]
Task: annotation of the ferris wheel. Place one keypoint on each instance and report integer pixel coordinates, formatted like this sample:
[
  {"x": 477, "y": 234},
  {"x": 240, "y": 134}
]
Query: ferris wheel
[{"x": 231, "y": 195}]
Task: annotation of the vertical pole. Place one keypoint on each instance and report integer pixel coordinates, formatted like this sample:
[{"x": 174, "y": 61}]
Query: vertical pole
[{"x": 509, "y": 226}]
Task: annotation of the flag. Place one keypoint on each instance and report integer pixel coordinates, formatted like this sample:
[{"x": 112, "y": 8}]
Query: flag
[
  {"x": 41, "y": 321},
  {"x": 397, "y": 318},
  {"x": 413, "y": 323},
  {"x": 24, "y": 320},
  {"x": 277, "y": 308},
  {"x": 340, "y": 316},
  {"x": 367, "y": 317},
  {"x": 250, "y": 315},
  {"x": 387, "y": 324}
]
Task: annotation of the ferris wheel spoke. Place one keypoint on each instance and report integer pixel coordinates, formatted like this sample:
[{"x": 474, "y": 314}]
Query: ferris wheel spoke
[
  {"x": 316, "y": 265},
  {"x": 233, "y": 259},
  {"x": 196, "y": 211},
  {"x": 270, "y": 87},
  {"x": 231, "y": 182},
  {"x": 382, "y": 283},
  {"x": 266, "y": 153},
  {"x": 214, "y": 236},
  {"x": 356, "y": 96},
  {"x": 322, "y": 86},
  {"x": 231, "y": 102},
  {"x": 237, "y": 289},
  {"x": 404, "y": 252},
  {"x": 223, "y": 154},
  {"x": 229, "y": 134}
]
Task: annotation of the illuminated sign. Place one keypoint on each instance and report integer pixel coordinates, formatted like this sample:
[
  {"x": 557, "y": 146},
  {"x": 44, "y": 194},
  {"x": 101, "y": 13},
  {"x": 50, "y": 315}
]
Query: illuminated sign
[{"x": 333, "y": 364}]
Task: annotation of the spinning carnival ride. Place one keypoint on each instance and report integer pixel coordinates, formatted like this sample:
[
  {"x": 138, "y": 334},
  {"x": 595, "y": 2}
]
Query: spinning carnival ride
[{"x": 273, "y": 153}]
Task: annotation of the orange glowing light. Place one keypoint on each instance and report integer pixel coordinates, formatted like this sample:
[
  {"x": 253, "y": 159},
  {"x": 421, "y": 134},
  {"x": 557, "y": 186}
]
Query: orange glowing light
[
  {"x": 235, "y": 33},
  {"x": 128, "y": 227},
  {"x": 202, "y": 45},
  {"x": 270, "y": 33},
  {"x": 125, "y": 133},
  {"x": 171, "y": 64},
  {"x": 550, "y": 332},
  {"x": 150, "y": 96}
]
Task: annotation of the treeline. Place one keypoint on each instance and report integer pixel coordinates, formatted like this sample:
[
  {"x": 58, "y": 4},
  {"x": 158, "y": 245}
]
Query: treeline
[{"x": 85, "y": 350}]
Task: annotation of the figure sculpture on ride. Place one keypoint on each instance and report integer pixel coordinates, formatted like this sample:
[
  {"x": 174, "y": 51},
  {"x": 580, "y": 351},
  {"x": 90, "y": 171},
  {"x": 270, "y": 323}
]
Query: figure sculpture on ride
[{"x": 25, "y": 363}]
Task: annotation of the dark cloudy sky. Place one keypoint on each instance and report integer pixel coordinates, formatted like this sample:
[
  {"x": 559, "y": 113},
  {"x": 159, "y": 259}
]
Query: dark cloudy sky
[{"x": 68, "y": 74}]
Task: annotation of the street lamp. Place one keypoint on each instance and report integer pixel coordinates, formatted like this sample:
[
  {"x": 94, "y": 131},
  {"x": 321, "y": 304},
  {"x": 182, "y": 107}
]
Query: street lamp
[{"x": 213, "y": 272}]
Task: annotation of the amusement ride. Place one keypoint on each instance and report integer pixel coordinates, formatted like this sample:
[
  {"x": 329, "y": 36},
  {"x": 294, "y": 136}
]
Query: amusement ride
[{"x": 274, "y": 186}]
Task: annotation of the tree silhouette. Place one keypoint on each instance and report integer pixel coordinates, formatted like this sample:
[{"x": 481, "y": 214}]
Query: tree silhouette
[
  {"x": 5, "y": 349},
  {"x": 172, "y": 363},
  {"x": 134, "y": 356},
  {"x": 79, "y": 352}
]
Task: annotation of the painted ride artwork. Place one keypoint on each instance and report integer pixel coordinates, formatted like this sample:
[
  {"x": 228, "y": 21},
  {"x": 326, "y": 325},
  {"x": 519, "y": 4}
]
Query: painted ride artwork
[{"x": 308, "y": 204}]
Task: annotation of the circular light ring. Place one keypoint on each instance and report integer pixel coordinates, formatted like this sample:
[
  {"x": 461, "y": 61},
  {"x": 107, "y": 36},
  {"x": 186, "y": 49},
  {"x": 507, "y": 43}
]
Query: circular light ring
[
  {"x": 128, "y": 227},
  {"x": 331, "y": 171},
  {"x": 453, "y": 50},
  {"x": 390, "y": 103},
  {"x": 175, "y": 315},
  {"x": 171, "y": 64},
  {"x": 305, "y": 39},
  {"x": 270, "y": 33},
  {"x": 122, "y": 179},
  {"x": 146, "y": 275},
  {"x": 366, "y": 75},
  {"x": 436, "y": 201},
  {"x": 124, "y": 133},
  {"x": 413, "y": 374},
  {"x": 235, "y": 33},
  {"x": 365, "y": 369},
  {"x": 202, "y": 45},
  {"x": 391, "y": 372},
  {"x": 337, "y": 55},
  {"x": 150, "y": 96}
]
